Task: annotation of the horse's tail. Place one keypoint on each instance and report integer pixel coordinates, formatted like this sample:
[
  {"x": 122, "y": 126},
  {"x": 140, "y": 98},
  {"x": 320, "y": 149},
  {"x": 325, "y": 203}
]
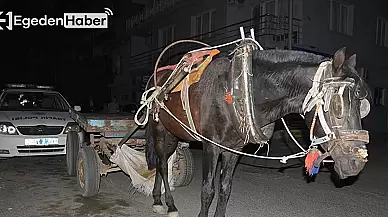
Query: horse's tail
[
  {"x": 150, "y": 149},
  {"x": 149, "y": 134}
]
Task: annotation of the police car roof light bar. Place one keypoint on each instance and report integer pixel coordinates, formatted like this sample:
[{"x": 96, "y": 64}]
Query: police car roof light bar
[{"x": 29, "y": 86}]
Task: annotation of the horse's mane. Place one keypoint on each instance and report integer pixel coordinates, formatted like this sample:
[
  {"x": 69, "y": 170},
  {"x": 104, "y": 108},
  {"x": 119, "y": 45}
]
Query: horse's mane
[
  {"x": 287, "y": 56},
  {"x": 293, "y": 57}
]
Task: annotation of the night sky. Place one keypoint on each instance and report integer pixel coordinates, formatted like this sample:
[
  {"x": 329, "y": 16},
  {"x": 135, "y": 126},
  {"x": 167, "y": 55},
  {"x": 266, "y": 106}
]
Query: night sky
[{"x": 51, "y": 55}]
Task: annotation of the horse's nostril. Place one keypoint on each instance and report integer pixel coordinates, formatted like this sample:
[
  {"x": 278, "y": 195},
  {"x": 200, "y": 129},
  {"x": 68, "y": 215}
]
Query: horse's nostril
[{"x": 355, "y": 165}]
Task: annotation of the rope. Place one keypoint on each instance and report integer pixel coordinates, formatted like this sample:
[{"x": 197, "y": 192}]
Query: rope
[
  {"x": 314, "y": 121},
  {"x": 229, "y": 43},
  {"x": 146, "y": 102},
  {"x": 292, "y": 136},
  {"x": 282, "y": 159}
]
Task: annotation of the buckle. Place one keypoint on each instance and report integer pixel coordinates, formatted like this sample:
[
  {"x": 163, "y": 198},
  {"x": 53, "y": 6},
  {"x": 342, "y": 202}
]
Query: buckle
[{"x": 320, "y": 140}]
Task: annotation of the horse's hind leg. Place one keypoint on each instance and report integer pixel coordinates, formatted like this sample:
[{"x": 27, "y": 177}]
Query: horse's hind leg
[
  {"x": 229, "y": 161},
  {"x": 156, "y": 192},
  {"x": 209, "y": 166},
  {"x": 155, "y": 139},
  {"x": 165, "y": 145}
]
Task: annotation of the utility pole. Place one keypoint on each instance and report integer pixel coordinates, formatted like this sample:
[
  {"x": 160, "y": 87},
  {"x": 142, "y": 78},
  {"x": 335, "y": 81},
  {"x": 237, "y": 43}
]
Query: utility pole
[{"x": 290, "y": 22}]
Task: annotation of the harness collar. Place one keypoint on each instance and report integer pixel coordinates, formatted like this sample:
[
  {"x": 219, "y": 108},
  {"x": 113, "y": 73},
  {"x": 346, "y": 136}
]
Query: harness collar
[{"x": 240, "y": 89}]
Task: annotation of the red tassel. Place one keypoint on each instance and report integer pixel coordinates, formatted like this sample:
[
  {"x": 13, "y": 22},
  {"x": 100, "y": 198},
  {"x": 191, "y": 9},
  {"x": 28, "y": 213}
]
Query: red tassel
[{"x": 310, "y": 159}]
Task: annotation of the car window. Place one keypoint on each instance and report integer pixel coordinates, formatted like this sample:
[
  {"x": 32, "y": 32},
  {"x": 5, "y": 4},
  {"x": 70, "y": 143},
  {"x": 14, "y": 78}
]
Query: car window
[{"x": 20, "y": 101}]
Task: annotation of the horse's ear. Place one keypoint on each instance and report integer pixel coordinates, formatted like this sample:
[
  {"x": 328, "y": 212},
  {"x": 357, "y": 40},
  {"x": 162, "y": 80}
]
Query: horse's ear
[
  {"x": 339, "y": 59},
  {"x": 352, "y": 61}
]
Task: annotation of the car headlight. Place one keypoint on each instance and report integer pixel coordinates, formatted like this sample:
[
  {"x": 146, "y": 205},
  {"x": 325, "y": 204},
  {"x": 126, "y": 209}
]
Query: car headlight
[
  {"x": 72, "y": 126},
  {"x": 7, "y": 128}
]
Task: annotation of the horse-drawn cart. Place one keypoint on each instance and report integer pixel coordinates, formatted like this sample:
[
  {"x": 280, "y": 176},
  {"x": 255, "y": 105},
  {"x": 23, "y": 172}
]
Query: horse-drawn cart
[{"x": 104, "y": 133}]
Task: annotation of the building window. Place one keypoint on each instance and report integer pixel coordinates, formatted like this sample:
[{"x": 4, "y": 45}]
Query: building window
[
  {"x": 202, "y": 24},
  {"x": 379, "y": 96},
  {"x": 166, "y": 36},
  {"x": 341, "y": 17},
  {"x": 382, "y": 32},
  {"x": 264, "y": 16},
  {"x": 270, "y": 19}
]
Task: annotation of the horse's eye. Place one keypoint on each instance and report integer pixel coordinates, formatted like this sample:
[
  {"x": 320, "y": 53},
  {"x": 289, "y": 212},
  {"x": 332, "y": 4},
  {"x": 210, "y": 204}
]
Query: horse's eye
[{"x": 357, "y": 92}]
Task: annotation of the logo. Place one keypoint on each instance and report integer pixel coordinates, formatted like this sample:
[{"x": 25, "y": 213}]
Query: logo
[
  {"x": 37, "y": 130},
  {"x": 40, "y": 128},
  {"x": 69, "y": 20},
  {"x": 108, "y": 11},
  {"x": 9, "y": 26}
]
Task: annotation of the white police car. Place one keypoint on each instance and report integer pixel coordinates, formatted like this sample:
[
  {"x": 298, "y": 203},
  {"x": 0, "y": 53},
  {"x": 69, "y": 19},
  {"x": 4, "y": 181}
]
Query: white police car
[{"x": 34, "y": 120}]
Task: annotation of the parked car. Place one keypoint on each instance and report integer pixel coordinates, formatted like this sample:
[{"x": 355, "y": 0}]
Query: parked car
[{"x": 34, "y": 120}]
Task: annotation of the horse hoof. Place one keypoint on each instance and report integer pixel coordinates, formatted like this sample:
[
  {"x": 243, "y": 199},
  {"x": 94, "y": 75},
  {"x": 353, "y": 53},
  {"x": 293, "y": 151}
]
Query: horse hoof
[
  {"x": 158, "y": 209},
  {"x": 173, "y": 214}
]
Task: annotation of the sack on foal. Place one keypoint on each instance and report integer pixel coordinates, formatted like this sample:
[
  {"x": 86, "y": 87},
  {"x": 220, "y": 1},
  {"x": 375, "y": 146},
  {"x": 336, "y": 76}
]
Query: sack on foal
[{"x": 134, "y": 164}]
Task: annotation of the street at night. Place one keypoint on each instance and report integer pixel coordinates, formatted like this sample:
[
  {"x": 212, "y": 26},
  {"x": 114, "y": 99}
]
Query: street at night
[
  {"x": 39, "y": 186},
  {"x": 194, "y": 108}
]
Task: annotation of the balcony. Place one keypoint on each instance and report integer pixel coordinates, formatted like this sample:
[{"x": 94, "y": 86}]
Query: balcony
[{"x": 270, "y": 31}]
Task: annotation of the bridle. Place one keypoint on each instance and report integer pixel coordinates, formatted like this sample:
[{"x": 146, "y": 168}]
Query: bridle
[{"x": 326, "y": 95}]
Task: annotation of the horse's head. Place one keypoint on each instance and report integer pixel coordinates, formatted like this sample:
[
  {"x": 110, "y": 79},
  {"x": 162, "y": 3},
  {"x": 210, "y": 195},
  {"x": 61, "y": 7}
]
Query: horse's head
[{"x": 334, "y": 107}]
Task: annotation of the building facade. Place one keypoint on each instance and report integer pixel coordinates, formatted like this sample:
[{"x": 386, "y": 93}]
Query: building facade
[{"x": 320, "y": 26}]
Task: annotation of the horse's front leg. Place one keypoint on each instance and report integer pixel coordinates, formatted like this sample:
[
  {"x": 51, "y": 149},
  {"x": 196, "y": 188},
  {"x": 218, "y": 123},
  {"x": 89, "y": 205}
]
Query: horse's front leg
[
  {"x": 209, "y": 166},
  {"x": 229, "y": 161}
]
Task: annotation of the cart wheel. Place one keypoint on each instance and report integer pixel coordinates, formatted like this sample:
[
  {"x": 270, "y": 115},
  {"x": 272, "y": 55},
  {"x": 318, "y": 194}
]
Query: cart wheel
[
  {"x": 183, "y": 167},
  {"x": 88, "y": 171},
  {"x": 72, "y": 147}
]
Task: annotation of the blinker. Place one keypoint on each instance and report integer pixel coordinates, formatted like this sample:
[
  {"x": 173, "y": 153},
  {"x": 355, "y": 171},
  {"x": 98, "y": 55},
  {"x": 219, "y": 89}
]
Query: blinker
[
  {"x": 337, "y": 105},
  {"x": 364, "y": 108}
]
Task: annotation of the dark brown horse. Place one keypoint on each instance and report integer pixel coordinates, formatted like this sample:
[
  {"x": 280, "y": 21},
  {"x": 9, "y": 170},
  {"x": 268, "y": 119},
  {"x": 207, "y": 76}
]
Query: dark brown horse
[{"x": 281, "y": 81}]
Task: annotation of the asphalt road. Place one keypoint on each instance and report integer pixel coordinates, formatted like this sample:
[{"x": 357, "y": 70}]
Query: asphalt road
[{"x": 39, "y": 187}]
